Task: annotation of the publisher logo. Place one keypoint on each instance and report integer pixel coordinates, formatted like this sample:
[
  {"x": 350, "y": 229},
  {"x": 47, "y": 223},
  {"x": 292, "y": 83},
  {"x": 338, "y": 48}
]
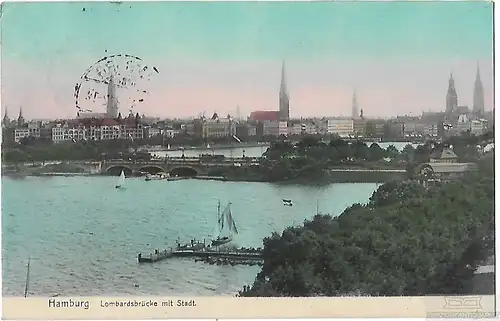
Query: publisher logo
[
  {"x": 462, "y": 303},
  {"x": 461, "y": 307}
]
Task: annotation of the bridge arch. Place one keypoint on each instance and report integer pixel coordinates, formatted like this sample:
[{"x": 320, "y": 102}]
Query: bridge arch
[
  {"x": 184, "y": 171},
  {"x": 68, "y": 167},
  {"x": 115, "y": 170},
  {"x": 151, "y": 169}
]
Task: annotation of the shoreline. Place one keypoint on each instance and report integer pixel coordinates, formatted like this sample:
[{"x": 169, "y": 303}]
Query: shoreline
[{"x": 333, "y": 177}]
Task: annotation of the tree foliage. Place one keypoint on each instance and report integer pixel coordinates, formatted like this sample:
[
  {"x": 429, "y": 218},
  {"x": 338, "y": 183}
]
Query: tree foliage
[{"x": 407, "y": 240}]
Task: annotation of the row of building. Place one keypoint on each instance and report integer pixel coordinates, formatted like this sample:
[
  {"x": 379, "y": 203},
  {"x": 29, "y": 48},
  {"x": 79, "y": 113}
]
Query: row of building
[
  {"x": 256, "y": 127},
  {"x": 260, "y": 124}
]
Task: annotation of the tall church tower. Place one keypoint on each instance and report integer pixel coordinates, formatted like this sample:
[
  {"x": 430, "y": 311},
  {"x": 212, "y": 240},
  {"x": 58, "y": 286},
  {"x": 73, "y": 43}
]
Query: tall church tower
[
  {"x": 6, "y": 119},
  {"x": 478, "y": 100},
  {"x": 20, "y": 118},
  {"x": 112, "y": 103},
  {"x": 354, "y": 105},
  {"x": 451, "y": 98},
  {"x": 284, "y": 101}
]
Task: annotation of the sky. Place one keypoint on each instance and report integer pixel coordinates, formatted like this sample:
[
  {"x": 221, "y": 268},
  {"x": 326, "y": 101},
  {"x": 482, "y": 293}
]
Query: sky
[{"x": 215, "y": 56}]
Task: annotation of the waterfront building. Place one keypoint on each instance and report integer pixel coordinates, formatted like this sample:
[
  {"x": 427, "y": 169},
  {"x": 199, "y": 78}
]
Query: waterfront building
[
  {"x": 282, "y": 128},
  {"x": 65, "y": 132},
  {"x": 270, "y": 128},
  {"x": 218, "y": 127},
  {"x": 151, "y": 132},
  {"x": 242, "y": 130},
  {"x": 478, "y": 127},
  {"x": 375, "y": 127},
  {"x": 431, "y": 130},
  {"x": 170, "y": 132},
  {"x": 343, "y": 127},
  {"x": 444, "y": 166},
  {"x": 396, "y": 129},
  {"x": 20, "y": 133},
  {"x": 295, "y": 128},
  {"x": 252, "y": 130},
  {"x": 413, "y": 129},
  {"x": 463, "y": 124}
]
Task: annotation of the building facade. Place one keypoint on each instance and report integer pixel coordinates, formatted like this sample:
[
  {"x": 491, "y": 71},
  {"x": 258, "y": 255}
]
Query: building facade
[{"x": 343, "y": 127}]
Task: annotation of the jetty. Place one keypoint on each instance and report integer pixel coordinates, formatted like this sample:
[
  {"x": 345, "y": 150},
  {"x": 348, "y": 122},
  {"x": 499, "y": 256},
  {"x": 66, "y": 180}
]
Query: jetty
[{"x": 201, "y": 252}]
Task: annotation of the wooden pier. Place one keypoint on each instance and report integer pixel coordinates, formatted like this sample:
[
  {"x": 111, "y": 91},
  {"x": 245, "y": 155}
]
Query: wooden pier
[{"x": 206, "y": 255}]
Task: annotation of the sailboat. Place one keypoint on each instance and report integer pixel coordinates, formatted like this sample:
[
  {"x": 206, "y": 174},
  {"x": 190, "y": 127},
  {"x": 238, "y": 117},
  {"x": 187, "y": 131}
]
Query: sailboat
[
  {"x": 121, "y": 180},
  {"x": 224, "y": 218}
]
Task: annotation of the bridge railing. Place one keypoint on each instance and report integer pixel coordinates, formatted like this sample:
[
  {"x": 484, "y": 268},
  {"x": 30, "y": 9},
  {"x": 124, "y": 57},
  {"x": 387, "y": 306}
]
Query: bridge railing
[{"x": 179, "y": 160}]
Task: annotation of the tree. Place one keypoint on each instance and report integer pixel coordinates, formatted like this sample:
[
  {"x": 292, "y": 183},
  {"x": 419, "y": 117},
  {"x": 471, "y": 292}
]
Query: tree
[
  {"x": 408, "y": 240},
  {"x": 376, "y": 152}
]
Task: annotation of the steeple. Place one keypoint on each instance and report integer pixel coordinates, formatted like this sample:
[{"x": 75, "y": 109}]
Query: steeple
[
  {"x": 478, "y": 97},
  {"x": 284, "y": 101},
  {"x": 6, "y": 120},
  {"x": 283, "y": 79},
  {"x": 20, "y": 118},
  {"x": 354, "y": 104},
  {"x": 451, "y": 97}
]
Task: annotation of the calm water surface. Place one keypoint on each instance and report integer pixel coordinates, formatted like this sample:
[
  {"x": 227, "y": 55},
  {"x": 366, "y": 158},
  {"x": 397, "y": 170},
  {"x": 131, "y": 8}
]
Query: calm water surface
[{"x": 83, "y": 235}]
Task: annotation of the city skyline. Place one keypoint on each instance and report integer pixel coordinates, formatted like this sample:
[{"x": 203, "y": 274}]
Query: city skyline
[{"x": 214, "y": 57}]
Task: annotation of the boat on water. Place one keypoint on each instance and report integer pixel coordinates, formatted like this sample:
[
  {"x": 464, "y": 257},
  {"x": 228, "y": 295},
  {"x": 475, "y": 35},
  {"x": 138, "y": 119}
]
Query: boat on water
[
  {"x": 121, "y": 180},
  {"x": 224, "y": 219},
  {"x": 157, "y": 177},
  {"x": 287, "y": 202}
]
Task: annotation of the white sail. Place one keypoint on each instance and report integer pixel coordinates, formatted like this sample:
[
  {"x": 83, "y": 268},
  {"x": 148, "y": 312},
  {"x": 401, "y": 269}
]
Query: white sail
[
  {"x": 226, "y": 221},
  {"x": 121, "y": 180}
]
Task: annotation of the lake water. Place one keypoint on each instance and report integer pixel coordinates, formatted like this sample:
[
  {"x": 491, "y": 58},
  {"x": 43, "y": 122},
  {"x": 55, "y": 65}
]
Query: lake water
[
  {"x": 83, "y": 235},
  {"x": 251, "y": 151}
]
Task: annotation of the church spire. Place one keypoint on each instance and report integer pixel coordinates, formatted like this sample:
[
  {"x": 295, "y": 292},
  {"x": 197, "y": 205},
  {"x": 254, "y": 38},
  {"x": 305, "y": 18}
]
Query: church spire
[
  {"x": 283, "y": 79},
  {"x": 5, "y": 120},
  {"x": 451, "y": 97},
  {"x": 284, "y": 101},
  {"x": 478, "y": 95}
]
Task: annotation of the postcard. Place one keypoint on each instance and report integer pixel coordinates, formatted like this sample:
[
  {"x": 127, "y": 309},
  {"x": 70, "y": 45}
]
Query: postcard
[{"x": 247, "y": 159}]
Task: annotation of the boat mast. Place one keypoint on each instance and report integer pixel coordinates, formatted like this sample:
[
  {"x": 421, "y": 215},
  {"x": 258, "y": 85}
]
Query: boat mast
[
  {"x": 218, "y": 217},
  {"x": 317, "y": 207},
  {"x": 27, "y": 278}
]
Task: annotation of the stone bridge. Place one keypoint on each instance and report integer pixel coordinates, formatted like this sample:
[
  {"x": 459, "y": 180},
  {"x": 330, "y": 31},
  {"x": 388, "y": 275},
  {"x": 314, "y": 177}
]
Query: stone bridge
[{"x": 188, "y": 166}]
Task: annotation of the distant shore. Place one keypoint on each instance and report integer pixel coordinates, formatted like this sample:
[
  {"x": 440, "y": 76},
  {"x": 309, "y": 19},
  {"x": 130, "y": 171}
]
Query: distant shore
[{"x": 336, "y": 176}]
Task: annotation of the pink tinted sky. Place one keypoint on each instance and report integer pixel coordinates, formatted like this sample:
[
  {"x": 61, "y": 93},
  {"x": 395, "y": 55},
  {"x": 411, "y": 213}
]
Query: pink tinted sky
[{"x": 316, "y": 88}]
